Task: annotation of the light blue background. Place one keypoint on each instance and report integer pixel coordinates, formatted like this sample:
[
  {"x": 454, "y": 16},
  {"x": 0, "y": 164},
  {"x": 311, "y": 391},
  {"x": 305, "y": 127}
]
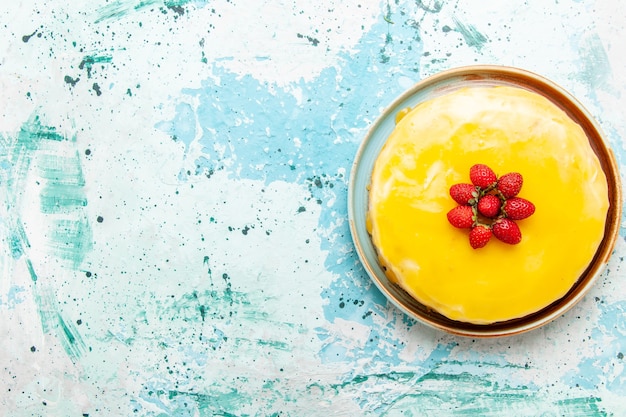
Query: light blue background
[{"x": 174, "y": 226}]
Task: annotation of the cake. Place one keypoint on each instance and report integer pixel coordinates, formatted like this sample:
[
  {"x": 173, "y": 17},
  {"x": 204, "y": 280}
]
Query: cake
[{"x": 431, "y": 148}]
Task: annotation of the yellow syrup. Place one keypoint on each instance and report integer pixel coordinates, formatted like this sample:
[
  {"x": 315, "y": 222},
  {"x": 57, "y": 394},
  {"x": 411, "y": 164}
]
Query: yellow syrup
[{"x": 511, "y": 130}]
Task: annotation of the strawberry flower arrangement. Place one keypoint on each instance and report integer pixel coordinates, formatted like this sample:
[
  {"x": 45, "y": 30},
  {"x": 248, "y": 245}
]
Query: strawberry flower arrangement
[{"x": 490, "y": 206}]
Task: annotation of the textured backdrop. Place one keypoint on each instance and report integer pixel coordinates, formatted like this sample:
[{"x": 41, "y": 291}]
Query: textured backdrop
[{"x": 174, "y": 235}]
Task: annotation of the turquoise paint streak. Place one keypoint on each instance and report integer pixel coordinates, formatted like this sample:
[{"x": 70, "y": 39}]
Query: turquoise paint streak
[
  {"x": 54, "y": 321},
  {"x": 18, "y": 153},
  {"x": 64, "y": 194},
  {"x": 449, "y": 389},
  {"x": 71, "y": 239},
  {"x": 176, "y": 402},
  {"x": 18, "y": 241},
  {"x": 31, "y": 270},
  {"x": 59, "y": 198},
  {"x": 62, "y": 201},
  {"x": 470, "y": 34},
  {"x": 63, "y": 191},
  {"x": 61, "y": 170},
  {"x": 121, "y": 8}
]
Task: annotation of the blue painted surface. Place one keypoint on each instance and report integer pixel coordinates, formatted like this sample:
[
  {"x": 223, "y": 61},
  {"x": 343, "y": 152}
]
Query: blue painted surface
[{"x": 174, "y": 222}]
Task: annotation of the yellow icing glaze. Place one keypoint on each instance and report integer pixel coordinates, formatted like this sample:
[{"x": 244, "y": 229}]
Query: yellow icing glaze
[{"x": 509, "y": 129}]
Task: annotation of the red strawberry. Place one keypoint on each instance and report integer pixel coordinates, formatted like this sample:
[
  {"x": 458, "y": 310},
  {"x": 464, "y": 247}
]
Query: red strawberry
[
  {"x": 463, "y": 194},
  {"x": 510, "y": 184},
  {"x": 489, "y": 206},
  {"x": 507, "y": 231},
  {"x": 482, "y": 176},
  {"x": 479, "y": 236},
  {"x": 461, "y": 217},
  {"x": 517, "y": 208}
]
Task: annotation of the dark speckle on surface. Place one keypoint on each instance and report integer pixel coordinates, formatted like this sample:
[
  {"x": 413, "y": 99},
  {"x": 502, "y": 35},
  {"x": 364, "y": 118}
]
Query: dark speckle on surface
[
  {"x": 178, "y": 9},
  {"x": 26, "y": 38},
  {"x": 313, "y": 41},
  {"x": 71, "y": 81}
]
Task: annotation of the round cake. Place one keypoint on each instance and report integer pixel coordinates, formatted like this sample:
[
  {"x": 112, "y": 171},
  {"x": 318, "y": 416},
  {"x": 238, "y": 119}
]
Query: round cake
[{"x": 509, "y": 129}]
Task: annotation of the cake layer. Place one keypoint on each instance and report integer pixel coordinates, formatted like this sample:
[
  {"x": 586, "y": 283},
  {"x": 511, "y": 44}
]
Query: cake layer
[{"x": 511, "y": 130}]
